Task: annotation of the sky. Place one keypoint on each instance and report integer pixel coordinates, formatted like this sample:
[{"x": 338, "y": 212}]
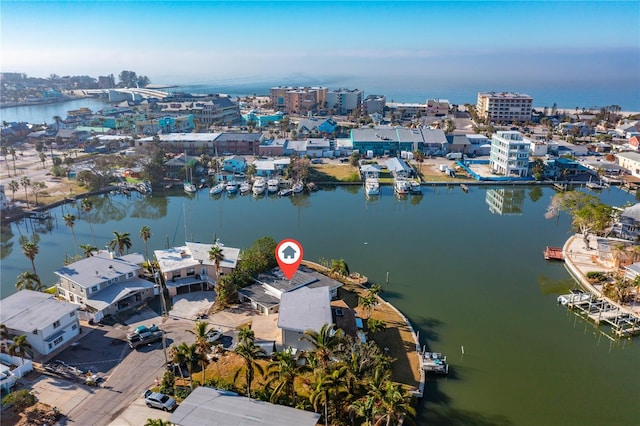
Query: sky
[{"x": 386, "y": 43}]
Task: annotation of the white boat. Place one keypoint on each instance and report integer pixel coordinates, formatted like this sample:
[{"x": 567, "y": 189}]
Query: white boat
[
  {"x": 259, "y": 186},
  {"x": 575, "y": 297},
  {"x": 245, "y": 187},
  {"x": 435, "y": 363},
  {"x": 189, "y": 187},
  {"x": 297, "y": 187},
  {"x": 401, "y": 186},
  {"x": 285, "y": 192},
  {"x": 273, "y": 185},
  {"x": 217, "y": 189},
  {"x": 414, "y": 187},
  {"x": 232, "y": 187},
  {"x": 371, "y": 186}
]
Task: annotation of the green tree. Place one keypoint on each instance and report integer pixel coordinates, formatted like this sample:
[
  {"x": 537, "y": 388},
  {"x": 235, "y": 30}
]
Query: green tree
[
  {"x": 37, "y": 187},
  {"x": 587, "y": 212},
  {"x": 25, "y": 182},
  {"x": 29, "y": 281},
  {"x": 282, "y": 372},
  {"x": 395, "y": 405},
  {"x": 327, "y": 389},
  {"x": 375, "y": 325},
  {"x": 30, "y": 249},
  {"x": 13, "y": 186},
  {"x": 88, "y": 249},
  {"x": 13, "y": 153},
  {"x": 145, "y": 234},
  {"x": 250, "y": 353},
  {"x": 20, "y": 399},
  {"x": 354, "y": 160},
  {"x": 20, "y": 347},
  {"x": 324, "y": 342},
  {"x": 339, "y": 267},
  {"x": 157, "y": 422},
  {"x": 217, "y": 256},
  {"x": 70, "y": 221},
  {"x": 201, "y": 331},
  {"x": 43, "y": 158},
  {"x": 120, "y": 241},
  {"x": 260, "y": 257}
]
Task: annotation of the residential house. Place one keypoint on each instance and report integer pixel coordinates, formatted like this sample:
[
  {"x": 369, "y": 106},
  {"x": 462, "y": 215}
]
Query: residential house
[
  {"x": 576, "y": 129},
  {"x": 628, "y": 128},
  {"x": 206, "y": 405},
  {"x": 265, "y": 293},
  {"x": 408, "y": 110},
  {"x": 174, "y": 168},
  {"x": 509, "y": 154},
  {"x": 165, "y": 125},
  {"x": 191, "y": 143},
  {"x": 314, "y": 126},
  {"x": 370, "y": 171},
  {"x": 458, "y": 143},
  {"x": 480, "y": 144},
  {"x": 627, "y": 225},
  {"x": 261, "y": 120},
  {"x": 272, "y": 147},
  {"x": 209, "y": 109},
  {"x": 564, "y": 168},
  {"x": 634, "y": 142},
  {"x": 271, "y": 167},
  {"x": 631, "y": 272},
  {"x": 234, "y": 164},
  {"x": 434, "y": 141},
  {"x": 313, "y": 147},
  {"x": 307, "y": 308},
  {"x": 379, "y": 141},
  {"x": 188, "y": 268},
  {"x": 240, "y": 143},
  {"x": 630, "y": 161},
  {"x": 399, "y": 168},
  {"x": 48, "y": 323},
  {"x": 12, "y": 368},
  {"x": 105, "y": 284}
]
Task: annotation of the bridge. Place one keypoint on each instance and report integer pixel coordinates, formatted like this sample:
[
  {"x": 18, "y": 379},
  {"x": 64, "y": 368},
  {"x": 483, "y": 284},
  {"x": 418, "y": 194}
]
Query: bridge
[{"x": 124, "y": 93}]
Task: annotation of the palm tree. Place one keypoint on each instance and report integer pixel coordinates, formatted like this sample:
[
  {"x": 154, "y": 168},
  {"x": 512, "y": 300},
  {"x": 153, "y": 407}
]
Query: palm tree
[
  {"x": 339, "y": 267},
  {"x": 250, "y": 353},
  {"x": 43, "y": 158},
  {"x": 30, "y": 249},
  {"x": 374, "y": 325},
  {"x": 217, "y": 256},
  {"x": 13, "y": 186},
  {"x": 25, "y": 182},
  {"x": 395, "y": 405},
  {"x": 88, "y": 249},
  {"x": 19, "y": 347},
  {"x": 328, "y": 389},
  {"x": 282, "y": 372},
  {"x": 29, "y": 281},
  {"x": 368, "y": 302},
  {"x": 324, "y": 342},
  {"x": 4, "y": 335},
  {"x": 189, "y": 355},
  {"x": 145, "y": 234},
  {"x": 12, "y": 151},
  {"x": 157, "y": 422},
  {"x": 70, "y": 221},
  {"x": 87, "y": 206},
  {"x": 201, "y": 330},
  {"x": 120, "y": 240},
  {"x": 36, "y": 188}
]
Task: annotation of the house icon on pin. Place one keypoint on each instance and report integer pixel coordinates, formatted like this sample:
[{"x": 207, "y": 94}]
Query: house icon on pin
[{"x": 289, "y": 253}]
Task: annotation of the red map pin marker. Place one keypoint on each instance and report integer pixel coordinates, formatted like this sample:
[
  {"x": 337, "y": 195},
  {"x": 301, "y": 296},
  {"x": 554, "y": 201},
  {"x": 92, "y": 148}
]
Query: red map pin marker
[{"x": 289, "y": 256}]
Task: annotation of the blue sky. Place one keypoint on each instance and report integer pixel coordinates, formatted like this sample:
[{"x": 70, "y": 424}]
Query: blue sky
[{"x": 383, "y": 41}]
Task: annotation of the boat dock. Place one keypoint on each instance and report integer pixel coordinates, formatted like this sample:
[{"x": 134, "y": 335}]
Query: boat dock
[
  {"x": 553, "y": 253},
  {"x": 600, "y": 311}
]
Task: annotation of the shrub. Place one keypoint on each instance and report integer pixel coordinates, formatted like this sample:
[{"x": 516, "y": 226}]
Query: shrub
[{"x": 20, "y": 400}]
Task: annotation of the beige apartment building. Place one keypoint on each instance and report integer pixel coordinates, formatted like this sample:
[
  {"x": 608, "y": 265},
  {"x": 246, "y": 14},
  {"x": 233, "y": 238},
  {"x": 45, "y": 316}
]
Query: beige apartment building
[
  {"x": 296, "y": 100},
  {"x": 504, "y": 106}
]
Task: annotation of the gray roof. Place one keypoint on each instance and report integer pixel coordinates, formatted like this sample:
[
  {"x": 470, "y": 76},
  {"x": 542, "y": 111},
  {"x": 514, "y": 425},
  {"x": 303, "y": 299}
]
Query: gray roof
[
  {"x": 397, "y": 165},
  {"x": 633, "y": 156},
  {"x": 97, "y": 269},
  {"x": 29, "y": 310},
  {"x": 433, "y": 136},
  {"x": 207, "y": 406},
  {"x": 303, "y": 277},
  {"x": 116, "y": 292},
  {"x": 259, "y": 294},
  {"x": 368, "y": 168},
  {"x": 307, "y": 308},
  {"x": 632, "y": 212},
  {"x": 194, "y": 254},
  {"x": 245, "y": 137},
  {"x": 380, "y": 134},
  {"x": 458, "y": 140},
  {"x": 200, "y": 252}
]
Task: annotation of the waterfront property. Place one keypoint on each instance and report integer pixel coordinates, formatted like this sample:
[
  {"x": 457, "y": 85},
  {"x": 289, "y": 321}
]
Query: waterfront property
[
  {"x": 188, "y": 268},
  {"x": 297, "y": 99},
  {"x": 49, "y": 324},
  {"x": 307, "y": 308},
  {"x": 504, "y": 106},
  {"x": 267, "y": 290},
  {"x": 104, "y": 284},
  {"x": 509, "y": 154}
]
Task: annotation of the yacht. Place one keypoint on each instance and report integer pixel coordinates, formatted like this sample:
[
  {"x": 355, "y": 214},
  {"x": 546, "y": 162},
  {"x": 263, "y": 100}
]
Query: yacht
[
  {"x": 189, "y": 187},
  {"x": 401, "y": 186},
  {"x": 245, "y": 187},
  {"x": 232, "y": 187},
  {"x": 273, "y": 185},
  {"x": 371, "y": 186},
  {"x": 414, "y": 187},
  {"x": 217, "y": 189},
  {"x": 259, "y": 186},
  {"x": 297, "y": 187}
]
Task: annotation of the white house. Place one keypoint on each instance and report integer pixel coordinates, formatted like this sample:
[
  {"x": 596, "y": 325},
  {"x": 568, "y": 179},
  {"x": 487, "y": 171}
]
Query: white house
[
  {"x": 307, "y": 308},
  {"x": 47, "y": 322},
  {"x": 630, "y": 161},
  {"x": 509, "y": 154},
  {"x": 104, "y": 284}
]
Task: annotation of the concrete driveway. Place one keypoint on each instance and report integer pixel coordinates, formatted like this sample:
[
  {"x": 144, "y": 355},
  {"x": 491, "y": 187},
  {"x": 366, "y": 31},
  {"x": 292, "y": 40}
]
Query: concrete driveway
[{"x": 137, "y": 414}]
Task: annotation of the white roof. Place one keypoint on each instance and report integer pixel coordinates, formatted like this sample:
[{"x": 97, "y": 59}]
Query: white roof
[
  {"x": 307, "y": 308},
  {"x": 97, "y": 269},
  {"x": 29, "y": 310},
  {"x": 116, "y": 292},
  {"x": 193, "y": 254}
]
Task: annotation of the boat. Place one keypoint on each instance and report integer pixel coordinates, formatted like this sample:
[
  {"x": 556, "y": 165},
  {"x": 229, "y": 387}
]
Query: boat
[
  {"x": 433, "y": 362},
  {"x": 285, "y": 192},
  {"x": 371, "y": 186},
  {"x": 312, "y": 187},
  {"x": 189, "y": 187},
  {"x": 245, "y": 187},
  {"x": 464, "y": 187},
  {"x": 415, "y": 187},
  {"x": 232, "y": 187},
  {"x": 297, "y": 187},
  {"x": 168, "y": 185},
  {"x": 273, "y": 185},
  {"x": 575, "y": 297},
  {"x": 401, "y": 186},
  {"x": 217, "y": 189},
  {"x": 259, "y": 186},
  {"x": 593, "y": 185}
]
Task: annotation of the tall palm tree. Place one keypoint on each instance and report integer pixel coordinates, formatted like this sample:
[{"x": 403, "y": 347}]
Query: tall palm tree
[
  {"x": 43, "y": 158},
  {"x": 120, "y": 240},
  {"x": 19, "y": 347},
  {"x": 29, "y": 281},
  {"x": 30, "y": 249},
  {"x": 328, "y": 389},
  {"x": 324, "y": 342},
  {"x": 25, "y": 182},
  {"x": 217, "y": 256},
  {"x": 395, "y": 405},
  {"x": 13, "y": 153},
  {"x": 13, "y": 186},
  {"x": 145, "y": 234},
  {"x": 340, "y": 267},
  {"x": 88, "y": 249},
  {"x": 87, "y": 206},
  {"x": 70, "y": 221},
  {"x": 282, "y": 372},
  {"x": 250, "y": 353},
  {"x": 201, "y": 330}
]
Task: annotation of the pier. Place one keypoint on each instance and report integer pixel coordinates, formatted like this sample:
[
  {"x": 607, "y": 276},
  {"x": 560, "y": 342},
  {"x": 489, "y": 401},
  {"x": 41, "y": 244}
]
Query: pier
[
  {"x": 598, "y": 310},
  {"x": 553, "y": 253}
]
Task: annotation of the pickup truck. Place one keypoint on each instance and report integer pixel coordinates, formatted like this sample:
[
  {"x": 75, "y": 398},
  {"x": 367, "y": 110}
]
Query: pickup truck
[{"x": 144, "y": 338}]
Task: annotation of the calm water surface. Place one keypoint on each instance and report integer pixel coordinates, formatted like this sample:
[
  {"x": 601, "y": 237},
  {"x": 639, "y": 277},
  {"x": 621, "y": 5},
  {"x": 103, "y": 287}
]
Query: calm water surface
[{"x": 464, "y": 276}]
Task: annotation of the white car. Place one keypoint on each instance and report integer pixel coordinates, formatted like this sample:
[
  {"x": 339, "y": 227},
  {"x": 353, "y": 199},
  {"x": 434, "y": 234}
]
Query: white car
[
  {"x": 213, "y": 336},
  {"x": 159, "y": 400}
]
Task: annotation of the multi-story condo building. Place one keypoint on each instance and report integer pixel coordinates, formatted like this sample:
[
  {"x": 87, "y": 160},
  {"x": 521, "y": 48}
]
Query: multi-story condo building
[
  {"x": 298, "y": 99},
  {"x": 343, "y": 101},
  {"x": 374, "y": 104},
  {"x": 509, "y": 154},
  {"x": 504, "y": 106}
]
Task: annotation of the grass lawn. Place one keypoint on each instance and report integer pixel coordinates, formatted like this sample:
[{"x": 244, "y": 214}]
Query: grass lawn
[{"x": 333, "y": 173}]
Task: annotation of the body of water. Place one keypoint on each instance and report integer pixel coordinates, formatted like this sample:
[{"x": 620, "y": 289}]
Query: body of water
[
  {"x": 38, "y": 114},
  {"x": 465, "y": 275}
]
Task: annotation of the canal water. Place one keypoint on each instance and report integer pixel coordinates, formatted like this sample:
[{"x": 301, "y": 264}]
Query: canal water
[
  {"x": 466, "y": 268},
  {"x": 44, "y": 113}
]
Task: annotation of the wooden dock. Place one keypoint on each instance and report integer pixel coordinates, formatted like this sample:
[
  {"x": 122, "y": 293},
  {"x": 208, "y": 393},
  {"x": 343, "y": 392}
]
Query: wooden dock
[
  {"x": 553, "y": 253},
  {"x": 600, "y": 311}
]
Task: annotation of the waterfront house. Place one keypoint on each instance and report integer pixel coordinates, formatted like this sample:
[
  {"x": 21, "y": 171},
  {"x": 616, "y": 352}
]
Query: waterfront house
[
  {"x": 630, "y": 161},
  {"x": 479, "y": 144},
  {"x": 188, "y": 268},
  {"x": 204, "y": 404},
  {"x": 174, "y": 168},
  {"x": 627, "y": 225},
  {"x": 265, "y": 293},
  {"x": 104, "y": 284},
  {"x": 48, "y": 323},
  {"x": 313, "y": 147},
  {"x": 509, "y": 154},
  {"x": 272, "y": 147},
  {"x": 458, "y": 143},
  {"x": 399, "y": 168},
  {"x": 307, "y": 308},
  {"x": 434, "y": 141},
  {"x": 234, "y": 164},
  {"x": 271, "y": 167},
  {"x": 370, "y": 171},
  {"x": 379, "y": 141},
  {"x": 12, "y": 368}
]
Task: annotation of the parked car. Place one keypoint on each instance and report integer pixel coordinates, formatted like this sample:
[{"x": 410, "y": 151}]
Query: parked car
[
  {"x": 145, "y": 338},
  {"x": 142, "y": 329},
  {"x": 159, "y": 400},
  {"x": 213, "y": 336}
]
